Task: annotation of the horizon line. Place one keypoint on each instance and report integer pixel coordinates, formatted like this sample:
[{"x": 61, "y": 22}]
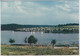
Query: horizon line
[{"x": 43, "y": 24}]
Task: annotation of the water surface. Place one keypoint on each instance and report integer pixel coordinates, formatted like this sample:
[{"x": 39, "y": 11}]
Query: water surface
[{"x": 42, "y": 38}]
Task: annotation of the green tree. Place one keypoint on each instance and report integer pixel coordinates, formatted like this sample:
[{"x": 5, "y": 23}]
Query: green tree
[
  {"x": 25, "y": 40},
  {"x": 53, "y": 42},
  {"x": 32, "y": 39},
  {"x": 11, "y": 41}
]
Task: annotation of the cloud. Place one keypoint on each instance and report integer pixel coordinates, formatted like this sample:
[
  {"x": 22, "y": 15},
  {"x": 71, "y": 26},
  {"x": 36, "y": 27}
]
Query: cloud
[
  {"x": 64, "y": 8},
  {"x": 42, "y": 13},
  {"x": 4, "y": 5},
  {"x": 19, "y": 8}
]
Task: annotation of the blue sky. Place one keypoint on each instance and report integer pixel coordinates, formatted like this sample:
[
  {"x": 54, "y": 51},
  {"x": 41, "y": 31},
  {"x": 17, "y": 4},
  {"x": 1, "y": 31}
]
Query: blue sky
[{"x": 41, "y": 13}]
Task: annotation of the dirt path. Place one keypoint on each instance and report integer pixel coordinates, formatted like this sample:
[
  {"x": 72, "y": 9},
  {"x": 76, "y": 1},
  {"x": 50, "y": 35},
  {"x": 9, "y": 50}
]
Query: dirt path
[{"x": 65, "y": 47}]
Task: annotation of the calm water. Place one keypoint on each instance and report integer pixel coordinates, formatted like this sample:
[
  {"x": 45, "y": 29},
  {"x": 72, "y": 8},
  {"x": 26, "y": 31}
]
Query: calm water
[{"x": 42, "y": 37}]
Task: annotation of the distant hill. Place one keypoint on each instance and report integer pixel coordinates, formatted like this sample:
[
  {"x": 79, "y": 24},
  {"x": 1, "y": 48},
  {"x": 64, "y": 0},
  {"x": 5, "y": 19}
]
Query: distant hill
[
  {"x": 69, "y": 24},
  {"x": 61, "y": 28},
  {"x": 15, "y": 26}
]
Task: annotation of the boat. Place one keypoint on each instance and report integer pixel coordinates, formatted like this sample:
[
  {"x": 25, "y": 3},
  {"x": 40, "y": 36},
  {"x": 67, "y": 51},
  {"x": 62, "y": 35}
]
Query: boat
[{"x": 41, "y": 32}]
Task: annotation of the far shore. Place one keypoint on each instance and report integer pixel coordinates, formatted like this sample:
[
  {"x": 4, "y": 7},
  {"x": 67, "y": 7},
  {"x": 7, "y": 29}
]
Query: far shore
[{"x": 43, "y": 32}]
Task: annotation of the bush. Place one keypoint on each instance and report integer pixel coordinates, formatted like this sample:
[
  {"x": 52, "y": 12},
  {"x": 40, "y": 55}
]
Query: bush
[{"x": 11, "y": 41}]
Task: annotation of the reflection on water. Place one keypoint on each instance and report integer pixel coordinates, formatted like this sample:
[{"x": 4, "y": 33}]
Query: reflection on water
[{"x": 42, "y": 37}]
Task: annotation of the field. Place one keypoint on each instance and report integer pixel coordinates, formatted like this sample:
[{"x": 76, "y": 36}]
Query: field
[{"x": 34, "y": 50}]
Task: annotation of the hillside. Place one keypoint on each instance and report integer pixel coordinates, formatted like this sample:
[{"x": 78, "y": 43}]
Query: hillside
[
  {"x": 16, "y": 26},
  {"x": 61, "y": 28}
]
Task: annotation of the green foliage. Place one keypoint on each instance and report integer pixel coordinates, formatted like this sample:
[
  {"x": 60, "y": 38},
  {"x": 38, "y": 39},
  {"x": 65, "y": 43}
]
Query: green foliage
[
  {"x": 32, "y": 39},
  {"x": 16, "y": 26},
  {"x": 11, "y": 41},
  {"x": 25, "y": 40},
  {"x": 53, "y": 42}
]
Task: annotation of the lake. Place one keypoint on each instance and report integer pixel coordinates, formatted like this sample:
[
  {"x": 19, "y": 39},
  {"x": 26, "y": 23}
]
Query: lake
[{"x": 43, "y": 38}]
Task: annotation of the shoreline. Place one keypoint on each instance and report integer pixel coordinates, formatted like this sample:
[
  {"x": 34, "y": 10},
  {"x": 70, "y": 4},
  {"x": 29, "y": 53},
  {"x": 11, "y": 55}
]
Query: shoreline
[{"x": 43, "y": 32}]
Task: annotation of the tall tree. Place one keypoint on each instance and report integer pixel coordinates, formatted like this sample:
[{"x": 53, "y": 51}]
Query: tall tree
[
  {"x": 53, "y": 42},
  {"x": 32, "y": 39},
  {"x": 25, "y": 40}
]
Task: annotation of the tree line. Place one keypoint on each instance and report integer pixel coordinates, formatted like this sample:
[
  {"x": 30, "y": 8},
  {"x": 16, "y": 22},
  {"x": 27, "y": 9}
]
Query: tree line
[
  {"x": 16, "y": 26},
  {"x": 69, "y": 24}
]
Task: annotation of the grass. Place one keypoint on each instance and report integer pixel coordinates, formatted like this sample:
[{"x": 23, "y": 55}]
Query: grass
[{"x": 29, "y": 50}]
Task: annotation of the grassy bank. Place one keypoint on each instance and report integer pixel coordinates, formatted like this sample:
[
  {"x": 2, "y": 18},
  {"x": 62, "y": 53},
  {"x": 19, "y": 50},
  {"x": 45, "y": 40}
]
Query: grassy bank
[{"x": 29, "y": 50}]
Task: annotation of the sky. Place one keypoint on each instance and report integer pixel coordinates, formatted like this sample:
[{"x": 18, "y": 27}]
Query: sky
[{"x": 40, "y": 12}]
